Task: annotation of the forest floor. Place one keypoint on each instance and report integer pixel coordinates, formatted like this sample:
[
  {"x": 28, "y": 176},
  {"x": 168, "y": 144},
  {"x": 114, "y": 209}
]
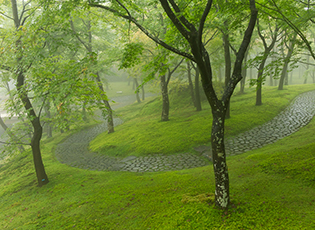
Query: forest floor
[{"x": 271, "y": 188}]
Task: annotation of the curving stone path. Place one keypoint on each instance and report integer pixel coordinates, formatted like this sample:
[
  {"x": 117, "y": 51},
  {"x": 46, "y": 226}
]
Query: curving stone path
[{"x": 74, "y": 150}]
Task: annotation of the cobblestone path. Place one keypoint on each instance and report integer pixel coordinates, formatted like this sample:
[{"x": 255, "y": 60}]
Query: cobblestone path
[{"x": 74, "y": 150}]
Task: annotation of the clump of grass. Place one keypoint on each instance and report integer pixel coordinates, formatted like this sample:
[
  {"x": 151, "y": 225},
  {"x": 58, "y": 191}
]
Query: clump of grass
[{"x": 206, "y": 197}]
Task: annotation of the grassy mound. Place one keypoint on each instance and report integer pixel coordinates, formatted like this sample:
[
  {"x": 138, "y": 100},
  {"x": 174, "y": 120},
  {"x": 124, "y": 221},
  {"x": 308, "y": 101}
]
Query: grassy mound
[
  {"x": 143, "y": 133},
  {"x": 271, "y": 188}
]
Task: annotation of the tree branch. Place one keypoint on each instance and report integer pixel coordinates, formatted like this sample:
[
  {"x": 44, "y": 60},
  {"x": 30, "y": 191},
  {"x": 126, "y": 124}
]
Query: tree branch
[
  {"x": 16, "y": 143},
  {"x": 175, "y": 20},
  {"x": 260, "y": 35},
  {"x": 183, "y": 20},
  {"x": 203, "y": 19},
  {"x": 296, "y": 30},
  {"x": 145, "y": 31},
  {"x": 237, "y": 74},
  {"x": 78, "y": 37},
  {"x": 6, "y": 16},
  {"x": 171, "y": 72}
]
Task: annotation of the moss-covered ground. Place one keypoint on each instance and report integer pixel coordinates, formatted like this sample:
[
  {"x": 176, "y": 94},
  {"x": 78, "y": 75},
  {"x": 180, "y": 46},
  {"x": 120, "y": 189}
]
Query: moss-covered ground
[{"x": 271, "y": 188}]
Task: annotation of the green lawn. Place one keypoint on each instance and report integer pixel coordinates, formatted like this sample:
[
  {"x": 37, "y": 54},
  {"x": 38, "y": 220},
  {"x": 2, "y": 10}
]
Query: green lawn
[
  {"x": 144, "y": 134},
  {"x": 271, "y": 188}
]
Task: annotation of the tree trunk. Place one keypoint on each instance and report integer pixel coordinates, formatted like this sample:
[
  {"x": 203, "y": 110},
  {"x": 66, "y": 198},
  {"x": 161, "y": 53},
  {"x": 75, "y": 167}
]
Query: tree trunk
[
  {"x": 197, "y": 90},
  {"x": 165, "y": 99},
  {"x": 191, "y": 86},
  {"x": 110, "y": 120},
  {"x": 220, "y": 74},
  {"x": 222, "y": 191},
  {"x": 284, "y": 72},
  {"x": 227, "y": 58},
  {"x": 244, "y": 73},
  {"x": 260, "y": 81},
  {"x": 137, "y": 90},
  {"x": 42, "y": 178}
]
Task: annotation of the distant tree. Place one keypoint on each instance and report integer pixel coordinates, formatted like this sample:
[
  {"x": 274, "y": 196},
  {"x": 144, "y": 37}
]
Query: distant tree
[
  {"x": 272, "y": 36},
  {"x": 287, "y": 58},
  {"x": 88, "y": 45}
]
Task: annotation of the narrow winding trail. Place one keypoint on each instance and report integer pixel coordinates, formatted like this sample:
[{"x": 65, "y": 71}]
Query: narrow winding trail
[{"x": 74, "y": 150}]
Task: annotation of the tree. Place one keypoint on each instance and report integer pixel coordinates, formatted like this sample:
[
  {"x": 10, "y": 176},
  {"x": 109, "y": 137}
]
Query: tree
[
  {"x": 267, "y": 49},
  {"x": 191, "y": 31},
  {"x": 284, "y": 72},
  {"x": 89, "y": 47},
  {"x": 19, "y": 72}
]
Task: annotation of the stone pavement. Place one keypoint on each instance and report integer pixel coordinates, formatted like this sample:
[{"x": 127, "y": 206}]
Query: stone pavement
[{"x": 74, "y": 150}]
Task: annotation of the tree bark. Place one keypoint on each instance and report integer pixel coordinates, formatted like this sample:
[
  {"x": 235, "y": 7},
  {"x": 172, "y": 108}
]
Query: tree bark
[
  {"x": 260, "y": 81},
  {"x": 165, "y": 99},
  {"x": 137, "y": 90},
  {"x": 110, "y": 120},
  {"x": 222, "y": 191},
  {"x": 227, "y": 58},
  {"x": 42, "y": 178}
]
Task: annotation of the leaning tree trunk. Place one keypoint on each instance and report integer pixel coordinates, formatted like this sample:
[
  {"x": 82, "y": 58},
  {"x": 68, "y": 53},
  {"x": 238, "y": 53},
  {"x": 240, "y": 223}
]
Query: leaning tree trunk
[
  {"x": 42, "y": 178},
  {"x": 165, "y": 99},
  {"x": 137, "y": 90},
  {"x": 37, "y": 128},
  {"x": 110, "y": 120}
]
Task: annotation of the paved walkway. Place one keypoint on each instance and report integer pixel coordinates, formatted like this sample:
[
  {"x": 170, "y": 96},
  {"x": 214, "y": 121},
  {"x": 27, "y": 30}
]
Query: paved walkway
[{"x": 74, "y": 150}]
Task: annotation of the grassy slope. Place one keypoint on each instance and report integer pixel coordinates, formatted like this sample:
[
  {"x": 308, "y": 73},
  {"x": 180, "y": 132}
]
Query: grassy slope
[
  {"x": 126, "y": 89},
  {"x": 144, "y": 134},
  {"x": 271, "y": 188}
]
